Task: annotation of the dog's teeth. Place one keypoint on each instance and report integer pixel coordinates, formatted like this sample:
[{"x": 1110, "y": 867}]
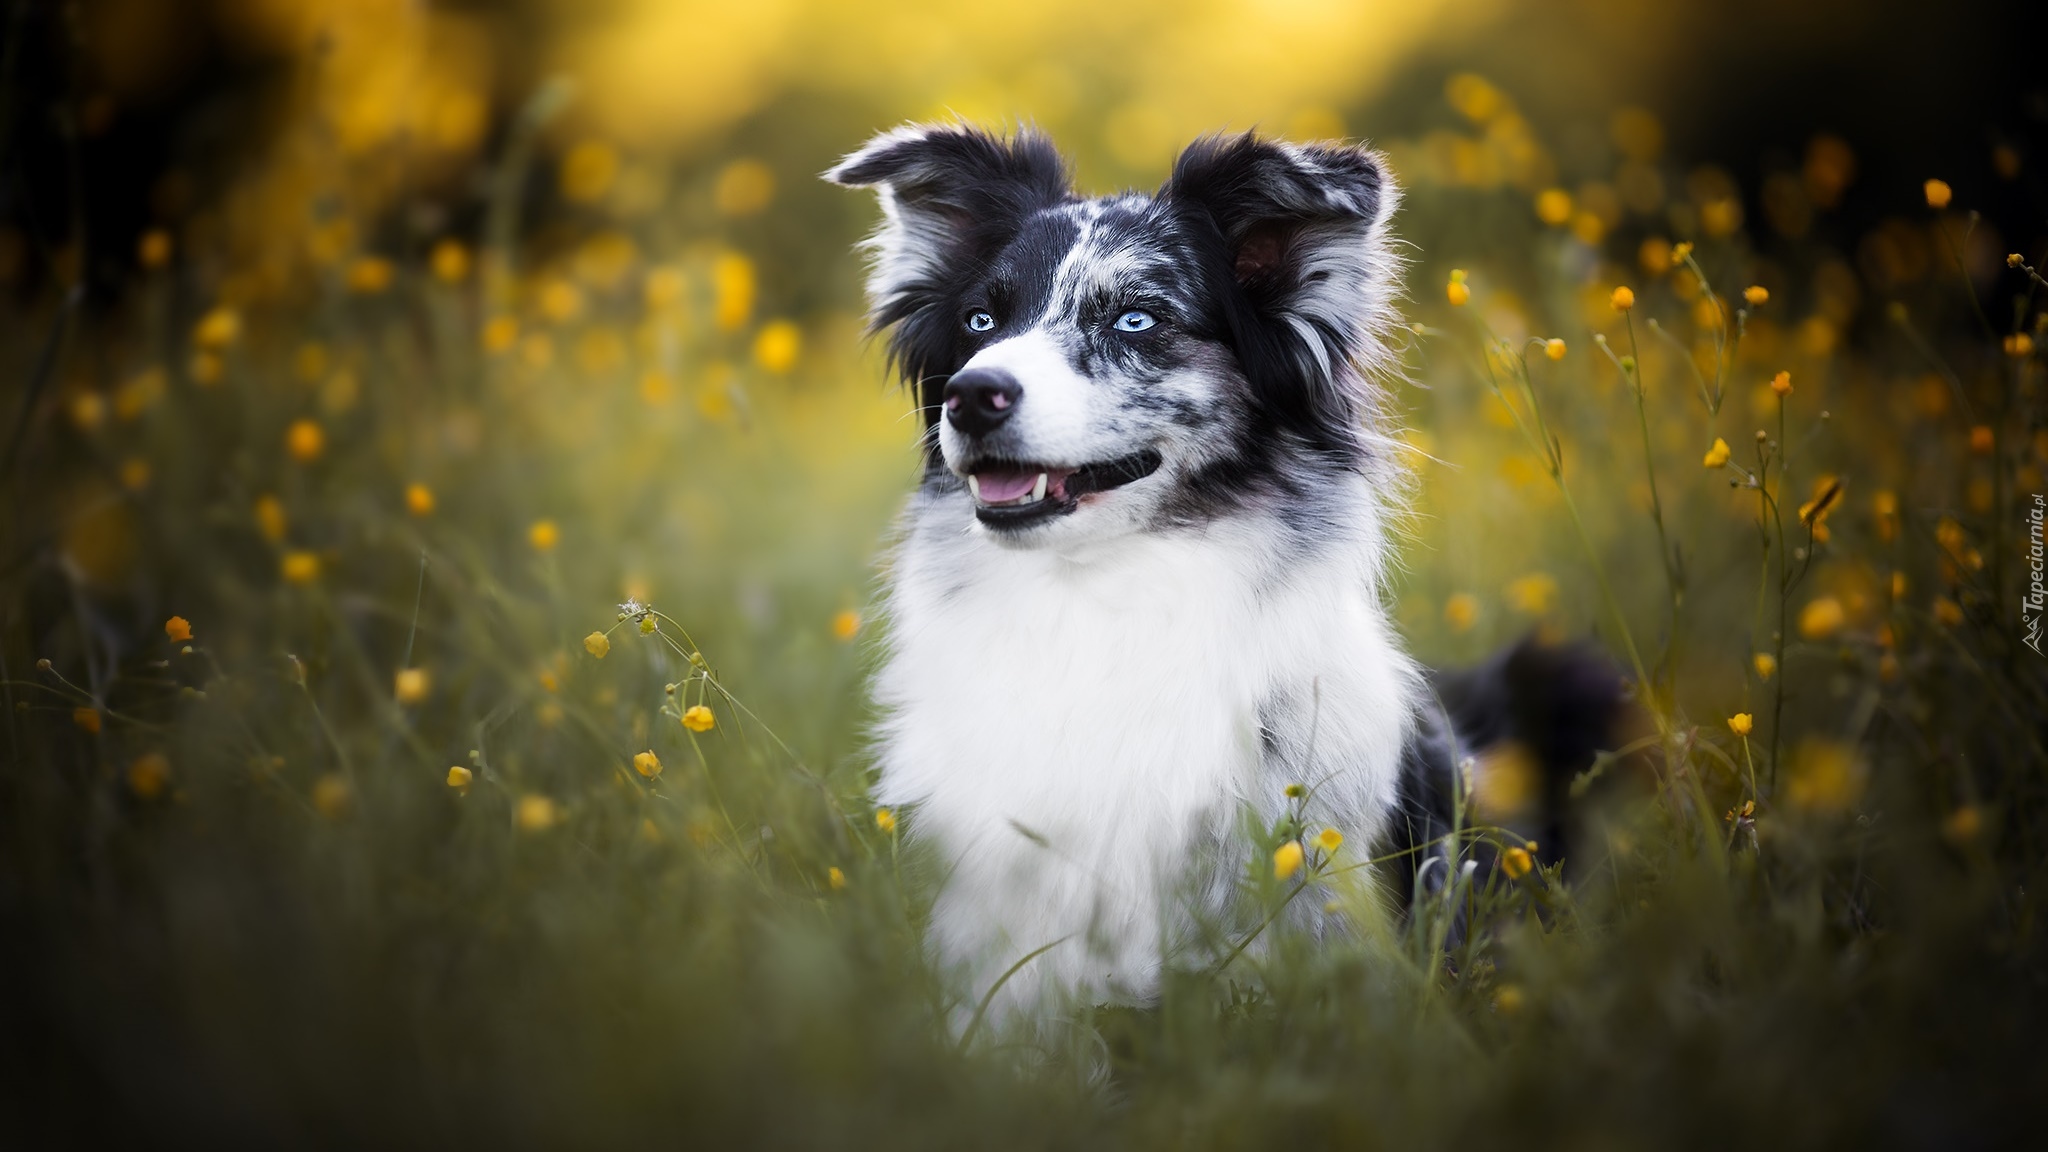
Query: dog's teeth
[
  {"x": 974, "y": 486},
  {"x": 1038, "y": 490}
]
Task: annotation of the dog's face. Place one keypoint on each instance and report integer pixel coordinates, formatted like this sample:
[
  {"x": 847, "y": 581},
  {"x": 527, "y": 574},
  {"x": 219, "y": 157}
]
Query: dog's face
[{"x": 1091, "y": 367}]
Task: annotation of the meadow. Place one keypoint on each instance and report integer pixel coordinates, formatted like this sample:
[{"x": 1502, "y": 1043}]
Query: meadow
[{"x": 437, "y": 586}]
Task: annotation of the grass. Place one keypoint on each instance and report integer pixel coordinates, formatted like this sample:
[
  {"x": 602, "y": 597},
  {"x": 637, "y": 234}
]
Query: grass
[{"x": 373, "y": 854}]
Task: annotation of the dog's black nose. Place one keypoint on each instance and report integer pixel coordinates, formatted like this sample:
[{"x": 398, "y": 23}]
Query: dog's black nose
[{"x": 980, "y": 399}]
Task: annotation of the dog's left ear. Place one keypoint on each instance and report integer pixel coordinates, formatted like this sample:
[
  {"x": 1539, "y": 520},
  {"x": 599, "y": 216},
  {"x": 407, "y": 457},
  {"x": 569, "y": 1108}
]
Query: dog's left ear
[{"x": 1305, "y": 226}]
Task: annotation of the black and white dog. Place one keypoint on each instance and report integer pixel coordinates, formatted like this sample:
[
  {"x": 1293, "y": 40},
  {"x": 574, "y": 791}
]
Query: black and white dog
[{"x": 1141, "y": 588}]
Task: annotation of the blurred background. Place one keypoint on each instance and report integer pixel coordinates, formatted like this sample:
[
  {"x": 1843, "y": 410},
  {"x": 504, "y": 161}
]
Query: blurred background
[{"x": 360, "y": 356}]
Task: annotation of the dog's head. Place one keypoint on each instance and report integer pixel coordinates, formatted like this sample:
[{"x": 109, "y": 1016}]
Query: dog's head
[{"x": 1093, "y": 366}]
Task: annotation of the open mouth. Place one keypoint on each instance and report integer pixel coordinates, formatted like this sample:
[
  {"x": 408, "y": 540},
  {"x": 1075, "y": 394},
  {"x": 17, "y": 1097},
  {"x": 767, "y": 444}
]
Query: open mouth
[{"x": 1008, "y": 494}]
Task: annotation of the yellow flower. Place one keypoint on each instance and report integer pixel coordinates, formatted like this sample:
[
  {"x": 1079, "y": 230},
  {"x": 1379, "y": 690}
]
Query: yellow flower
[
  {"x": 1295, "y": 791},
  {"x": 1961, "y": 826},
  {"x": 648, "y": 624},
  {"x": 846, "y": 625},
  {"x": 1825, "y": 777},
  {"x": 2019, "y": 345},
  {"x": 1329, "y": 840},
  {"x": 1456, "y": 291},
  {"x": 1766, "y": 665},
  {"x": 1981, "y": 440},
  {"x": 178, "y": 628},
  {"x": 1554, "y": 348},
  {"x": 500, "y": 334},
  {"x": 743, "y": 188},
  {"x": 1717, "y": 456},
  {"x": 459, "y": 777},
  {"x": 597, "y": 644},
  {"x": 299, "y": 567},
  {"x": 885, "y": 820},
  {"x": 543, "y": 535},
  {"x": 1782, "y": 383},
  {"x": 663, "y": 287},
  {"x": 332, "y": 796},
  {"x": 369, "y": 275},
  {"x": 1508, "y": 1000},
  {"x": 412, "y": 685},
  {"x": 305, "y": 441},
  {"x": 698, "y": 718},
  {"x": 778, "y": 345},
  {"x": 1947, "y": 612},
  {"x": 217, "y": 329},
  {"x": 536, "y": 813},
  {"x": 1938, "y": 194},
  {"x": 1821, "y": 618},
  {"x": 1461, "y": 610},
  {"x": 2014, "y": 260},
  {"x": 732, "y": 290},
  {"x": 269, "y": 513},
  {"x": 1740, "y": 723},
  {"x": 1287, "y": 860},
  {"x": 1517, "y": 863},
  {"x": 1679, "y": 252},
  {"x": 154, "y": 249},
  {"x": 835, "y": 878},
  {"x": 451, "y": 261},
  {"x": 87, "y": 719},
  {"x": 1756, "y": 294},
  {"x": 419, "y": 499},
  {"x": 1554, "y": 206},
  {"x": 1533, "y": 593},
  {"x": 1898, "y": 585},
  {"x": 647, "y": 764},
  {"x": 148, "y": 775},
  {"x": 1624, "y": 298}
]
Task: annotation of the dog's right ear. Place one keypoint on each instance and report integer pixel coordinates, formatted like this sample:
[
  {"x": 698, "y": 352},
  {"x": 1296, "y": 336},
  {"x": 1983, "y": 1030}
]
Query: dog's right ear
[{"x": 952, "y": 196}]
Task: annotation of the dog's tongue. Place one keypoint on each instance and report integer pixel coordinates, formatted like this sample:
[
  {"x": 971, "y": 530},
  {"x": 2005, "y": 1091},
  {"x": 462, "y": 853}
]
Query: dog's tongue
[{"x": 998, "y": 487}]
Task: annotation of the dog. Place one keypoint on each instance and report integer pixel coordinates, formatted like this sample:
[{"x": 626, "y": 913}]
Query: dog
[{"x": 1140, "y": 590}]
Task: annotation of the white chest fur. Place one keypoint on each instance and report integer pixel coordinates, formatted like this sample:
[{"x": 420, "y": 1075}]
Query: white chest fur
[{"x": 1072, "y": 727}]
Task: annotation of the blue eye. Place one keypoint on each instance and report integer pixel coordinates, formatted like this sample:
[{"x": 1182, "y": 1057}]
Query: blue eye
[
  {"x": 1135, "y": 320},
  {"x": 980, "y": 320}
]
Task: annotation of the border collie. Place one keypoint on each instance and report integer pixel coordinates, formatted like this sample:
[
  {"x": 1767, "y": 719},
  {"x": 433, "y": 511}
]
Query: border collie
[{"x": 1140, "y": 590}]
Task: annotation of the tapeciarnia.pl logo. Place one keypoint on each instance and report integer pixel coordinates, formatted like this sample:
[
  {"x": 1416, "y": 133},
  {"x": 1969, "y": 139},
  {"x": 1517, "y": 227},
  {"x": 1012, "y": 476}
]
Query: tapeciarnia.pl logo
[{"x": 2036, "y": 599}]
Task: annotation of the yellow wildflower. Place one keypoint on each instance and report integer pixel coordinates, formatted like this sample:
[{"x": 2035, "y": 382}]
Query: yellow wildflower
[
  {"x": 135, "y": 473},
  {"x": 148, "y": 775},
  {"x": 1740, "y": 723},
  {"x": 698, "y": 718},
  {"x": 270, "y": 521},
  {"x": 777, "y": 346},
  {"x": 459, "y": 777},
  {"x": 1825, "y": 777},
  {"x": 732, "y": 289},
  {"x": 743, "y": 188},
  {"x": 411, "y": 685},
  {"x": 1329, "y": 840},
  {"x": 1624, "y": 298},
  {"x": 1947, "y": 612},
  {"x": 1508, "y": 1000},
  {"x": 1821, "y": 618},
  {"x": 369, "y": 275},
  {"x": 299, "y": 567},
  {"x": 589, "y": 170},
  {"x": 835, "y": 878},
  {"x": 536, "y": 813},
  {"x": 178, "y": 628},
  {"x": 500, "y": 334},
  {"x": 1717, "y": 456},
  {"x": 419, "y": 499},
  {"x": 647, "y": 764},
  {"x": 2019, "y": 345},
  {"x": 1680, "y": 251},
  {"x": 845, "y": 625},
  {"x": 451, "y": 261},
  {"x": 1766, "y": 665},
  {"x": 885, "y": 820},
  {"x": 154, "y": 249},
  {"x": 1961, "y": 826},
  {"x": 1461, "y": 611},
  {"x": 597, "y": 644},
  {"x": 217, "y": 329},
  {"x": 1456, "y": 291},
  {"x": 1287, "y": 860},
  {"x": 1295, "y": 791},
  {"x": 1517, "y": 863},
  {"x": 1554, "y": 348},
  {"x": 1938, "y": 194},
  {"x": 1756, "y": 294},
  {"x": 1898, "y": 585},
  {"x": 332, "y": 796},
  {"x": 1554, "y": 206},
  {"x": 1782, "y": 383},
  {"x": 543, "y": 535},
  {"x": 305, "y": 441},
  {"x": 1533, "y": 593},
  {"x": 87, "y": 719}
]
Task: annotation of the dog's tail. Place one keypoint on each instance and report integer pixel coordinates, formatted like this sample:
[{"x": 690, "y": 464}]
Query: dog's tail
[{"x": 1528, "y": 722}]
